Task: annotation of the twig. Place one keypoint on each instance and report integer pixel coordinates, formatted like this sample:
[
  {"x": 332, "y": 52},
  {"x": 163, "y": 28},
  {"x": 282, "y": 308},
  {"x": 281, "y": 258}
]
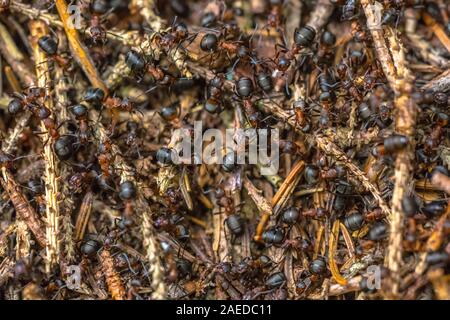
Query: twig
[
  {"x": 437, "y": 30},
  {"x": 374, "y": 25},
  {"x": 399, "y": 77},
  {"x": 11, "y": 142},
  {"x": 263, "y": 206},
  {"x": 156, "y": 269},
  {"x": 352, "y": 285},
  {"x": 113, "y": 279},
  {"x": 37, "y": 30},
  {"x": 283, "y": 194},
  {"x": 440, "y": 83},
  {"x": 33, "y": 13},
  {"x": 83, "y": 216},
  {"x": 67, "y": 205},
  {"x": 22, "y": 240},
  {"x": 405, "y": 125},
  {"x": 15, "y": 58},
  {"x": 23, "y": 209},
  {"x": 6, "y": 270}
]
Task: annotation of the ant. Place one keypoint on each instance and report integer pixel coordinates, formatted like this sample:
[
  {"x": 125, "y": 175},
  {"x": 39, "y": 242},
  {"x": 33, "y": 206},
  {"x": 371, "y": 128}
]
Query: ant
[
  {"x": 138, "y": 65},
  {"x": 275, "y": 17},
  {"x": 244, "y": 89},
  {"x": 97, "y": 31},
  {"x": 326, "y": 96},
  {"x": 213, "y": 43},
  {"x": 299, "y": 106},
  {"x": 80, "y": 180},
  {"x": 104, "y": 157},
  {"x": 26, "y": 100},
  {"x": 433, "y": 139},
  {"x": 30, "y": 101},
  {"x": 172, "y": 224},
  {"x": 49, "y": 45},
  {"x": 80, "y": 112},
  {"x": 177, "y": 34},
  {"x": 132, "y": 140},
  {"x": 127, "y": 193},
  {"x": 303, "y": 37},
  {"x": 325, "y": 52},
  {"x": 349, "y": 10},
  {"x": 391, "y": 145},
  {"x": 37, "y": 191},
  {"x": 233, "y": 221},
  {"x": 215, "y": 88}
]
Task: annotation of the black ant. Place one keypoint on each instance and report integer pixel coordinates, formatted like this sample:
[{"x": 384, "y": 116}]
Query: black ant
[{"x": 49, "y": 45}]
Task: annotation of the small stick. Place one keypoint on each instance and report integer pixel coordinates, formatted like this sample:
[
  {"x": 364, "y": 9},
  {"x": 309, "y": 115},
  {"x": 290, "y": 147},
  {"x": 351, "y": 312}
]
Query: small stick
[
  {"x": 67, "y": 205},
  {"x": 83, "y": 216},
  {"x": 37, "y": 30},
  {"x": 333, "y": 243},
  {"x": 78, "y": 49},
  {"x": 15, "y": 58},
  {"x": 23, "y": 209},
  {"x": 156, "y": 270},
  {"x": 11, "y": 77},
  {"x": 280, "y": 198},
  {"x": 10, "y": 143},
  {"x": 263, "y": 206},
  {"x": 404, "y": 164},
  {"x": 374, "y": 25},
  {"x": 33, "y": 13},
  {"x": 438, "y": 31},
  {"x": 440, "y": 83},
  {"x": 352, "y": 285},
  {"x": 22, "y": 240},
  {"x": 113, "y": 279},
  {"x": 6, "y": 270}
]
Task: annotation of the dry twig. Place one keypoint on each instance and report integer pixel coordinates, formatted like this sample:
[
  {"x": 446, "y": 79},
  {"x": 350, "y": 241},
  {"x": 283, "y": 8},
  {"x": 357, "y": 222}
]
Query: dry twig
[{"x": 37, "y": 30}]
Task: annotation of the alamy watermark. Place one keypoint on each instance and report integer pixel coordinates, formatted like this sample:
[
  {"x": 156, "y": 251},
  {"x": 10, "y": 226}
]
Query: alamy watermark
[
  {"x": 75, "y": 18},
  {"x": 373, "y": 277}
]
